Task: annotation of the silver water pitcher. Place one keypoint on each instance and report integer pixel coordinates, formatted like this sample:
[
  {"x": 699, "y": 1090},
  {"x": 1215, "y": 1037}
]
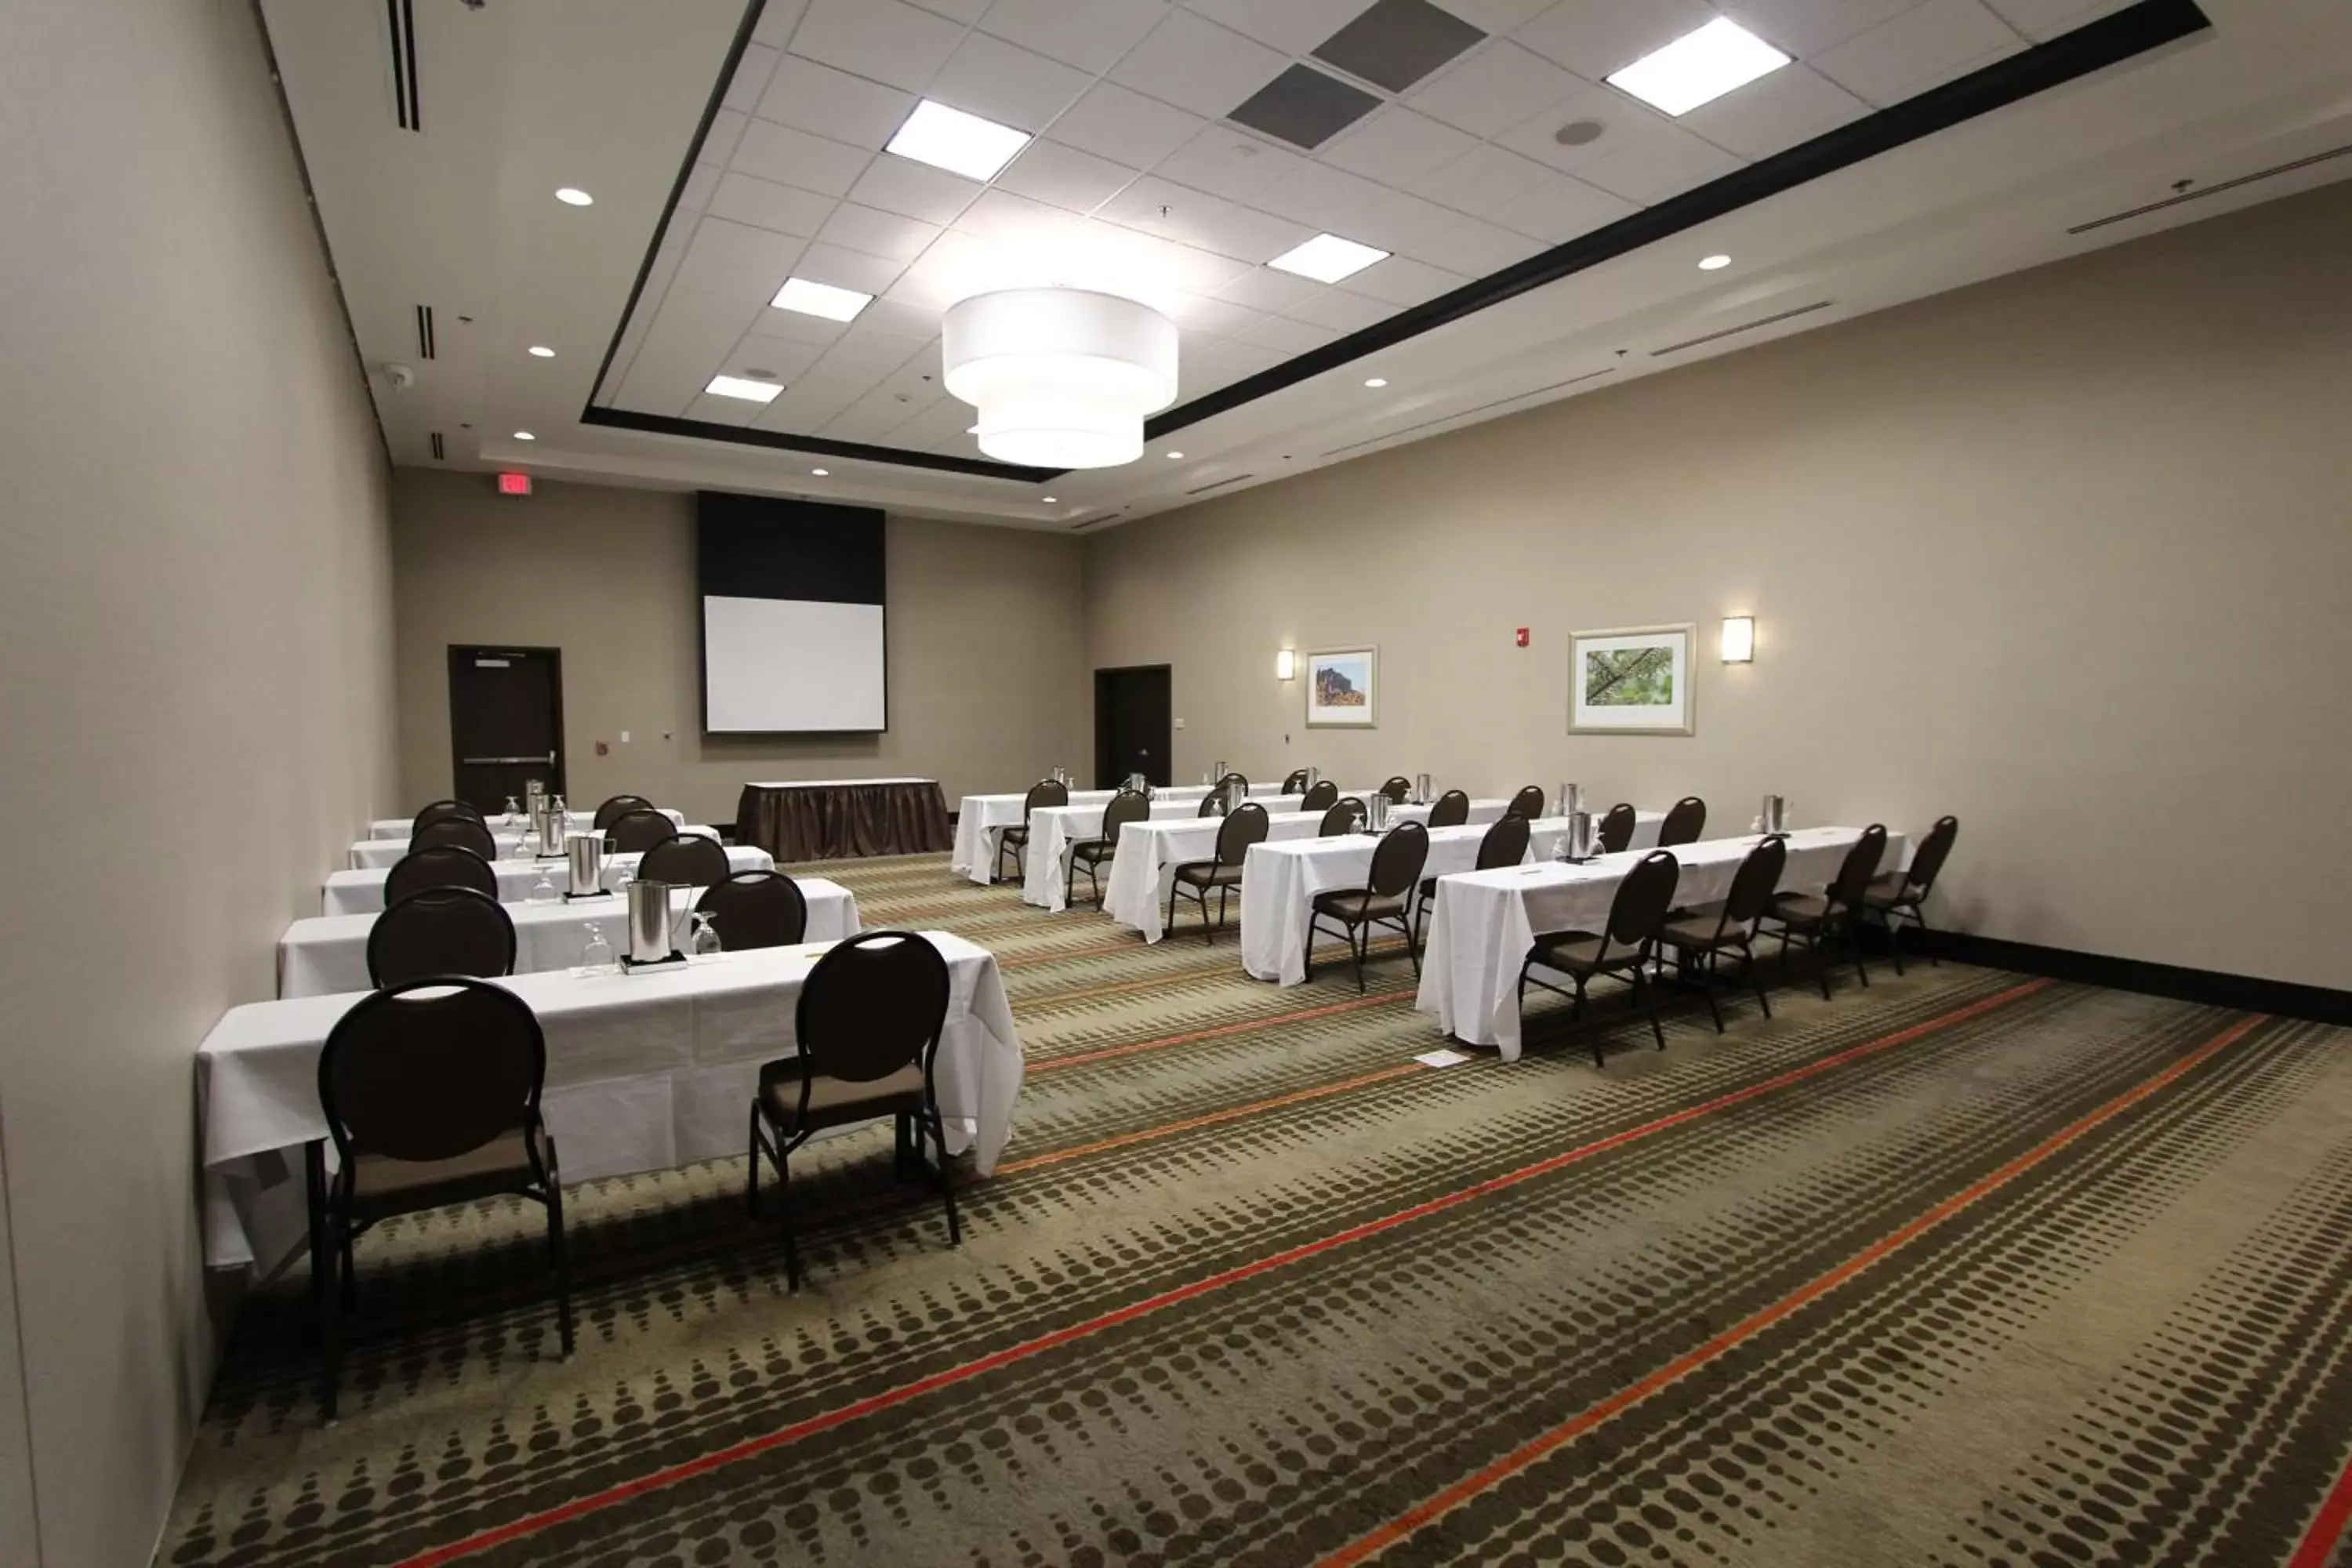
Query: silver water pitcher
[
  {"x": 1314, "y": 777},
  {"x": 1135, "y": 782},
  {"x": 649, "y": 935},
  {"x": 1377, "y": 812},
  {"x": 537, "y": 834},
  {"x": 1775, "y": 815},
  {"x": 1216, "y": 772},
  {"x": 585, "y": 852},
  {"x": 1580, "y": 843},
  {"x": 533, "y": 793},
  {"x": 1572, "y": 800},
  {"x": 553, "y": 828}
]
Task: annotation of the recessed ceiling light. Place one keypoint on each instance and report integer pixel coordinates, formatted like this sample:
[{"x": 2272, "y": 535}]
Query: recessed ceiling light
[
  {"x": 1049, "y": 500},
  {"x": 572, "y": 197},
  {"x": 1174, "y": 457},
  {"x": 537, "y": 351},
  {"x": 820, "y": 473},
  {"x": 1378, "y": 381},
  {"x": 1713, "y": 263},
  {"x": 820, "y": 300},
  {"x": 1699, "y": 67},
  {"x": 959, "y": 142},
  {"x": 749, "y": 390},
  {"x": 1326, "y": 259},
  {"x": 525, "y": 435}
]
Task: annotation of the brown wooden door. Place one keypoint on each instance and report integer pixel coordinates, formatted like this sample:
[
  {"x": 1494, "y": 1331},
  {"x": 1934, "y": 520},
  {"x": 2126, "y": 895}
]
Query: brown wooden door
[
  {"x": 1131, "y": 724},
  {"x": 505, "y": 722}
]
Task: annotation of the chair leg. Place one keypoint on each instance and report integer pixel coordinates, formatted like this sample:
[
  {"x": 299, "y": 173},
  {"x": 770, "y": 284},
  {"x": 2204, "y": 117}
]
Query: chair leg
[
  {"x": 1070, "y": 879},
  {"x": 1818, "y": 941},
  {"x": 1360, "y": 943},
  {"x": 1709, "y": 976},
  {"x": 1412, "y": 948},
  {"x": 1755, "y": 976},
  {"x": 556, "y": 1257},
  {"x": 1895, "y": 941},
  {"x": 331, "y": 1335},
  {"x": 1644, "y": 993},
  {"x": 947, "y": 1179},
  {"x": 1854, "y": 935},
  {"x": 1170, "y": 930},
  {"x": 784, "y": 1195},
  {"x": 314, "y": 1181},
  {"x": 1576, "y": 1013},
  {"x": 351, "y": 1277},
  {"x": 751, "y": 1177}
]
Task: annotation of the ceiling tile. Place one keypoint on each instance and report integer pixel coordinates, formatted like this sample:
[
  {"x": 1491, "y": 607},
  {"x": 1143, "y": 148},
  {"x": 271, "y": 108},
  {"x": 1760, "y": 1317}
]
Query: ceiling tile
[
  {"x": 1197, "y": 313},
  {"x": 777, "y": 20},
  {"x": 1197, "y": 218},
  {"x": 1073, "y": 181},
  {"x": 791, "y": 157},
  {"x": 999, "y": 81},
  {"x": 810, "y": 403},
  {"x": 1304, "y": 107},
  {"x": 810, "y": 97},
  {"x": 1145, "y": 266},
  {"x": 1340, "y": 310},
  {"x": 1192, "y": 62},
  {"x": 1294, "y": 27},
  {"x": 1123, "y": 125},
  {"x": 776, "y": 358},
  {"x": 2045, "y": 19},
  {"x": 966, "y": 11},
  {"x": 726, "y": 132},
  {"x": 877, "y": 233},
  {"x": 793, "y": 327},
  {"x": 711, "y": 410},
  {"x": 1482, "y": 179},
  {"x": 763, "y": 204},
  {"x": 1919, "y": 49},
  {"x": 1292, "y": 337},
  {"x": 732, "y": 260},
  {"x": 857, "y": 269},
  {"x": 1561, "y": 209},
  {"x": 899, "y": 317},
  {"x": 1793, "y": 104},
  {"x": 1276, "y": 291},
  {"x": 1621, "y": 121},
  {"x": 1001, "y": 217},
  {"x": 693, "y": 196},
  {"x": 1475, "y": 248},
  {"x": 1400, "y": 280},
  {"x": 913, "y": 190},
  {"x": 1805, "y": 27},
  {"x": 887, "y": 41},
  {"x": 1228, "y": 162},
  {"x": 862, "y": 351},
  {"x": 751, "y": 78},
  {"x": 1660, "y": 163},
  {"x": 1398, "y": 43},
  {"x": 1397, "y": 145},
  {"x": 1494, "y": 16},
  {"x": 1494, "y": 88},
  {"x": 1088, "y": 33},
  {"x": 1326, "y": 198},
  {"x": 1594, "y": 37}
]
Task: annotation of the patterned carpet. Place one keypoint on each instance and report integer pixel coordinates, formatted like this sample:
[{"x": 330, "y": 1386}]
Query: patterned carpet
[{"x": 1962, "y": 1270}]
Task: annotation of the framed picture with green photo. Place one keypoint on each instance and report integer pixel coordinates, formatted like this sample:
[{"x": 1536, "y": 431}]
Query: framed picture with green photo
[
  {"x": 1342, "y": 687},
  {"x": 1630, "y": 680}
]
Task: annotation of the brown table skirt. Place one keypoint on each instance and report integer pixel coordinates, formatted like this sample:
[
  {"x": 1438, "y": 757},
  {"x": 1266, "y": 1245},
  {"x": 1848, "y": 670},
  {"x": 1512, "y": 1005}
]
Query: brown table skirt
[{"x": 840, "y": 821}]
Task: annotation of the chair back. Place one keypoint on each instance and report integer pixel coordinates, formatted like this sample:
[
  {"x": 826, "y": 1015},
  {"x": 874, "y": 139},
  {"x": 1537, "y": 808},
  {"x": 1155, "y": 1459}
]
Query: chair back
[
  {"x": 755, "y": 908},
  {"x": 1506, "y": 843},
  {"x": 1529, "y": 801},
  {"x": 1342, "y": 817},
  {"x": 1452, "y": 810},
  {"x": 1642, "y": 899},
  {"x": 1933, "y": 849},
  {"x": 1322, "y": 797},
  {"x": 430, "y": 1070},
  {"x": 1296, "y": 782},
  {"x": 1044, "y": 791},
  {"x": 442, "y": 866},
  {"x": 465, "y": 832},
  {"x": 620, "y": 806},
  {"x": 1213, "y": 803},
  {"x": 1396, "y": 864},
  {"x": 1860, "y": 866},
  {"x": 1234, "y": 788},
  {"x": 871, "y": 1005},
  {"x": 685, "y": 859},
  {"x": 638, "y": 829},
  {"x": 1753, "y": 884},
  {"x": 1126, "y": 806},
  {"x": 441, "y": 930},
  {"x": 1399, "y": 789},
  {"x": 440, "y": 809},
  {"x": 1617, "y": 829},
  {"x": 1244, "y": 824},
  {"x": 1685, "y": 820}
]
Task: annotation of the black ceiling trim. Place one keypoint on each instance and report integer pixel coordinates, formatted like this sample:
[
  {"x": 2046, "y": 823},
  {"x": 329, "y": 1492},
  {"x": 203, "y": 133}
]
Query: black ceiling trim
[{"x": 815, "y": 445}]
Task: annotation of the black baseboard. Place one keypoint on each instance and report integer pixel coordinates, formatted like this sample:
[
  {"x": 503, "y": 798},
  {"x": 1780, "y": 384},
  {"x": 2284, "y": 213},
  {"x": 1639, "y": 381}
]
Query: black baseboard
[{"x": 2212, "y": 989}]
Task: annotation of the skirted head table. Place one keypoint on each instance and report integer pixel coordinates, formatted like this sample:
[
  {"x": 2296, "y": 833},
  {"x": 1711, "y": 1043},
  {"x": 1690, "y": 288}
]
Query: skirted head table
[{"x": 841, "y": 819}]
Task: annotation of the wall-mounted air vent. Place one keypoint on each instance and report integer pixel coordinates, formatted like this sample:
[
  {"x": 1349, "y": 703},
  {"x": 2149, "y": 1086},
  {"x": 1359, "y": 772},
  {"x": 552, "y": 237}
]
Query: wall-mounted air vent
[
  {"x": 1219, "y": 484},
  {"x": 2200, "y": 194},
  {"x": 1468, "y": 413},
  {"x": 424, "y": 332},
  {"x": 1743, "y": 326},
  {"x": 439, "y": 451},
  {"x": 400, "y": 15}
]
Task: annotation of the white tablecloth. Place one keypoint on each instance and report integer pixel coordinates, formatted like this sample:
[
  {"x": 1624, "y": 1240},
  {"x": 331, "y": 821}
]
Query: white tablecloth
[
  {"x": 1149, "y": 852},
  {"x": 645, "y": 1072},
  {"x": 1485, "y": 922},
  {"x": 321, "y": 956},
  {"x": 382, "y": 853},
  {"x": 362, "y": 892},
  {"x": 1280, "y": 882},
  {"x": 1054, "y": 828},
  {"x": 399, "y": 830},
  {"x": 980, "y": 818}
]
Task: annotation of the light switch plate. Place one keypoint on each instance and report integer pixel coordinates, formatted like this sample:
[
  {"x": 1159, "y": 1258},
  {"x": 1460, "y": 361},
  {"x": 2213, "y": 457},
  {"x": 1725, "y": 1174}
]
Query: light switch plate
[{"x": 1180, "y": 723}]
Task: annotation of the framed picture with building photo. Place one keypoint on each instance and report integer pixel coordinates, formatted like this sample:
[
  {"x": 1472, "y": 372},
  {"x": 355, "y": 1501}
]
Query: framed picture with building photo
[
  {"x": 1342, "y": 688},
  {"x": 1631, "y": 681}
]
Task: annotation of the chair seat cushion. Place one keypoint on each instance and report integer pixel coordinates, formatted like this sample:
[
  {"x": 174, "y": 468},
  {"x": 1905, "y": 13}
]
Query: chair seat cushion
[
  {"x": 382, "y": 1185},
  {"x": 1357, "y": 905},
  {"x": 1094, "y": 851},
  {"x": 1577, "y": 951},
  {"x": 834, "y": 1101},
  {"x": 1209, "y": 874},
  {"x": 1889, "y": 891},
  {"x": 1805, "y": 911},
  {"x": 1700, "y": 929},
  {"x": 1013, "y": 835}
]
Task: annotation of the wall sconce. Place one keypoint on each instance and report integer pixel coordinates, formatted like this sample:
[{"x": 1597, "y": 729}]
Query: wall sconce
[
  {"x": 1285, "y": 664},
  {"x": 1739, "y": 639}
]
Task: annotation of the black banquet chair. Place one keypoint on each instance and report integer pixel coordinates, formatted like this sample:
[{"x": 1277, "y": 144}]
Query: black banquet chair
[
  {"x": 1236, "y": 787},
  {"x": 618, "y": 806},
  {"x": 755, "y": 908},
  {"x": 1685, "y": 820},
  {"x": 440, "y": 810},
  {"x": 1504, "y": 843},
  {"x": 1243, "y": 826},
  {"x": 1214, "y": 804},
  {"x": 1899, "y": 895},
  {"x": 1399, "y": 789},
  {"x": 465, "y": 832},
  {"x": 1813, "y": 918},
  {"x": 1296, "y": 783},
  {"x": 685, "y": 859},
  {"x": 1704, "y": 936},
  {"x": 431, "y": 1094},
  {"x": 1127, "y": 805},
  {"x": 441, "y": 930},
  {"x": 1397, "y": 863},
  {"x": 638, "y": 829},
  {"x": 1014, "y": 840},
  {"x": 1635, "y": 914},
  {"x": 1322, "y": 797},
  {"x": 1529, "y": 801},
  {"x": 1452, "y": 810},
  {"x": 1616, "y": 829},
  {"x": 442, "y": 866},
  {"x": 1342, "y": 817},
  {"x": 866, "y": 1031}
]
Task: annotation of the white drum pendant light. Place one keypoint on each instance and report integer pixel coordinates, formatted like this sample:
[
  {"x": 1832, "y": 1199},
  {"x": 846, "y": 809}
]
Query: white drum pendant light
[{"x": 1062, "y": 377}]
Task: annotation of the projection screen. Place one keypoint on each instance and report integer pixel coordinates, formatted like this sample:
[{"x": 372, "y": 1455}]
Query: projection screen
[{"x": 792, "y": 616}]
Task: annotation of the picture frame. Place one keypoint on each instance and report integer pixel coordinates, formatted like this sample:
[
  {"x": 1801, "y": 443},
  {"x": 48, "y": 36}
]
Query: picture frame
[
  {"x": 1342, "y": 686},
  {"x": 1633, "y": 680}
]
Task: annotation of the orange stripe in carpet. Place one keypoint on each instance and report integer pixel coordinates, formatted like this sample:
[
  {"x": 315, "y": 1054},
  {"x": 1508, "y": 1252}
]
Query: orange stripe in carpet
[
  {"x": 1210, "y": 1118},
  {"x": 1682, "y": 1366},
  {"x": 2326, "y": 1531},
  {"x": 1243, "y": 1028},
  {"x": 783, "y": 1437}
]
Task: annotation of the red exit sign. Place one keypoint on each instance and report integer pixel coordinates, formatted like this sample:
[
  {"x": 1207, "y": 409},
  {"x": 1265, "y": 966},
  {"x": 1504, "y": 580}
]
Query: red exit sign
[{"x": 514, "y": 484}]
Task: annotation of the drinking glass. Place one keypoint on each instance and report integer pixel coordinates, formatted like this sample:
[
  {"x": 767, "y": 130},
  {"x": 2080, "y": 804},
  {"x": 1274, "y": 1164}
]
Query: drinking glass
[
  {"x": 596, "y": 956},
  {"x": 705, "y": 941},
  {"x": 543, "y": 890}
]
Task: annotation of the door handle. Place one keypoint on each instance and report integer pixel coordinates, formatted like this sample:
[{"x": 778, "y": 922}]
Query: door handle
[{"x": 507, "y": 762}]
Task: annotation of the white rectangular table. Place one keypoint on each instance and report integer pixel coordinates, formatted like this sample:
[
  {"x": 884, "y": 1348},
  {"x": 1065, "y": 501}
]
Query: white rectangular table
[
  {"x": 328, "y": 954},
  {"x": 362, "y": 892},
  {"x": 382, "y": 853},
  {"x": 401, "y": 828},
  {"x": 980, "y": 817},
  {"x": 645, "y": 1072},
  {"x": 1280, "y": 882},
  {"x": 1485, "y": 922}
]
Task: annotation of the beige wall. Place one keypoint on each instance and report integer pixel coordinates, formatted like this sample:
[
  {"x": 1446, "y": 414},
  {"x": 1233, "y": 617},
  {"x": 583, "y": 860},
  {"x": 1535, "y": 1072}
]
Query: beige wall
[
  {"x": 196, "y": 691},
  {"x": 985, "y": 644},
  {"x": 2067, "y": 554}
]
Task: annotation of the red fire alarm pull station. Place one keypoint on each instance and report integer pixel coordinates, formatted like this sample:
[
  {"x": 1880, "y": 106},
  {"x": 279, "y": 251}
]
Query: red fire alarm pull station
[
  {"x": 1523, "y": 637},
  {"x": 514, "y": 484}
]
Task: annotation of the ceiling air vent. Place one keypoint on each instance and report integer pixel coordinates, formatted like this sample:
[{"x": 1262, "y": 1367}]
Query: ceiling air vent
[
  {"x": 439, "y": 452},
  {"x": 401, "y": 14},
  {"x": 1219, "y": 484},
  {"x": 2199, "y": 195},
  {"x": 1744, "y": 327},
  {"x": 424, "y": 332},
  {"x": 1468, "y": 413}
]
